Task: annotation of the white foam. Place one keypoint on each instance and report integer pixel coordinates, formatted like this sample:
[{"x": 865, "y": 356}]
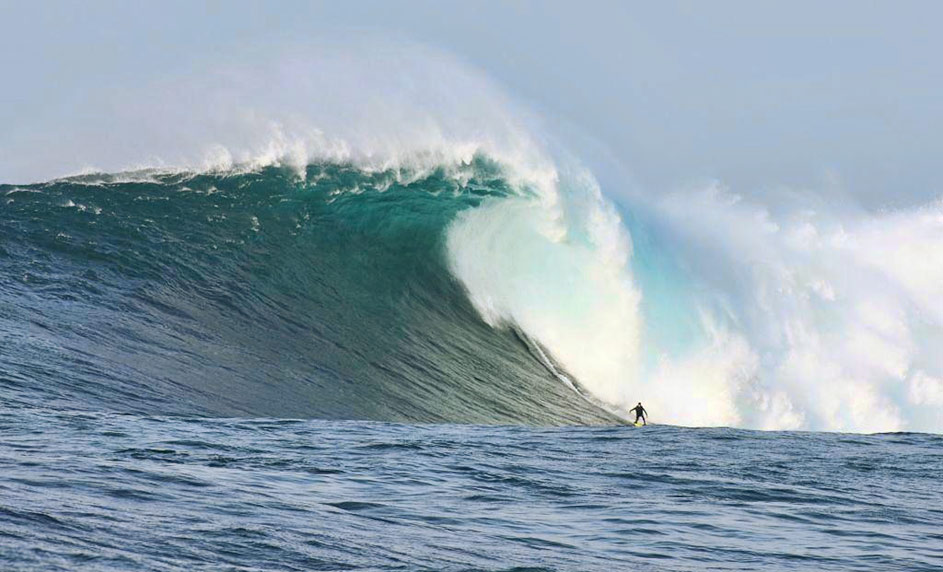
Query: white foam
[{"x": 836, "y": 313}]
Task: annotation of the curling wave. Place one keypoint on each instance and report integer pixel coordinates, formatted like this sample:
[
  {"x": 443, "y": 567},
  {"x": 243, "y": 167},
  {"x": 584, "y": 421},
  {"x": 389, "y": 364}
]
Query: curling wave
[
  {"x": 265, "y": 293},
  {"x": 377, "y": 232}
]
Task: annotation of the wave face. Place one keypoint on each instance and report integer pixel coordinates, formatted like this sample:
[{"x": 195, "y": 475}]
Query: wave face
[{"x": 264, "y": 293}]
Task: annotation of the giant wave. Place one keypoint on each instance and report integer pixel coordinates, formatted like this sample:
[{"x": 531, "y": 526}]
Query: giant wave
[
  {"x": 396, "y": 240},
  {"x": 264, "y": 293}
]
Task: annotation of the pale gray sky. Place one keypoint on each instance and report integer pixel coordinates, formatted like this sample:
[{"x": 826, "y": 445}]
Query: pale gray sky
[{"x": 757, "y": 94}]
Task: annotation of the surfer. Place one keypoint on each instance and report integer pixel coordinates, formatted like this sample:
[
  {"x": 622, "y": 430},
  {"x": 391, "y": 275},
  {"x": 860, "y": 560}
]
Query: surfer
[{"x": 639, "y": 413}]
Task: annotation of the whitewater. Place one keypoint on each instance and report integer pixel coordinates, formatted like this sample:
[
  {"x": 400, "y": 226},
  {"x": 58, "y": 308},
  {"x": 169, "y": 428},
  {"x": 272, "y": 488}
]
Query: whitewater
[{"x": 355, "y": 308}]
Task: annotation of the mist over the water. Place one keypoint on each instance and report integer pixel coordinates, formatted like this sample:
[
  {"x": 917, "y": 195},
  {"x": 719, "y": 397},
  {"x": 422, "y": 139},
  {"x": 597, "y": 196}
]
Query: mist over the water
[
  {"x": 811, "y": 314},
  {"x": 775, "y": 311}
]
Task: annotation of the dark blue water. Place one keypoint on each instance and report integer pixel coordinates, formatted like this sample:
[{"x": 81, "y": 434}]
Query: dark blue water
[{"x": 96, "y": 491}]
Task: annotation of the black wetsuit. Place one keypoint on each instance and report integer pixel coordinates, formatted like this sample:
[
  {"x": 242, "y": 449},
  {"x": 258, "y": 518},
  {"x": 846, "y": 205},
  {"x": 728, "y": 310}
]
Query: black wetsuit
[{"x": 639, "y": 413}]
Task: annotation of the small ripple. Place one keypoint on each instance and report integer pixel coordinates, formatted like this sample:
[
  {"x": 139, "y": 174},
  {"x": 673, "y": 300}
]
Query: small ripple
[{"x": 355, "y": 506}]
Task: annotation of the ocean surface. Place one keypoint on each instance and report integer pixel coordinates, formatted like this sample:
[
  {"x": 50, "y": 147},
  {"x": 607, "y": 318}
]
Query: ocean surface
[
  {"x": 104, "y": 491},
  {"x": 425, "y": 368}
]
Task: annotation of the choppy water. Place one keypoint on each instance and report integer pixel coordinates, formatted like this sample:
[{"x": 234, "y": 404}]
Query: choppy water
[{"x": 93, "y": 491}]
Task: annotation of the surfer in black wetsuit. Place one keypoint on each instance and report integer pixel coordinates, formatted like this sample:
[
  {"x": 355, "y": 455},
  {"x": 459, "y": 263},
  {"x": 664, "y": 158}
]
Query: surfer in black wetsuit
[{"x": 639, "y": 413}]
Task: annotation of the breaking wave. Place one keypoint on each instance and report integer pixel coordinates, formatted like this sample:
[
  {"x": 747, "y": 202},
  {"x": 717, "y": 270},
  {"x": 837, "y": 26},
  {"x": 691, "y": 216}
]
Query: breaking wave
[{"x": 381, "y": 234}]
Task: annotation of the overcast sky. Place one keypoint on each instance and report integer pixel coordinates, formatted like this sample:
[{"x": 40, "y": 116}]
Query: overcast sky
[{"x": 756, "y": 94}]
